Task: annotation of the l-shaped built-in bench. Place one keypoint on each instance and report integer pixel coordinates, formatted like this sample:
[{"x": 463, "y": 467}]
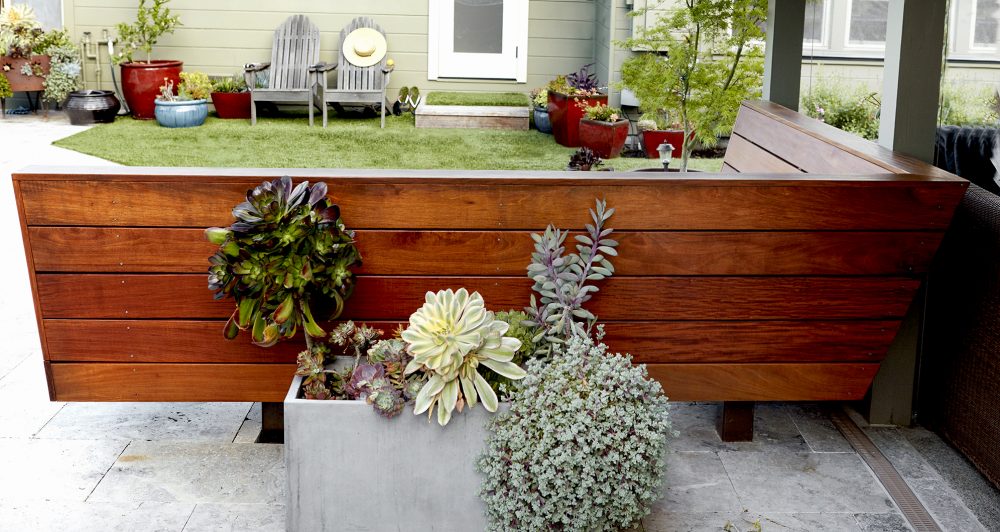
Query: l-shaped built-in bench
[{"x": 787, "y": 282}]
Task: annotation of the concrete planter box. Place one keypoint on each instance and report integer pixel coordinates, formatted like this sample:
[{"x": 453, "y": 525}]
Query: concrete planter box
[
  {"x": 351, "y": 469},
  {"x": 472, "y": 116}
]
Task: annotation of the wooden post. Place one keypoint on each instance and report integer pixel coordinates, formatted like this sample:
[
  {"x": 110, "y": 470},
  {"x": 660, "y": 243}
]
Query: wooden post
[
  {"x": 911, "y": 86},
  {"x": 736, "y": 421},
  {"x": 783, "y": 52},
  {"x": 890, "y": 401},
  {"x": 272, "y": 423}
]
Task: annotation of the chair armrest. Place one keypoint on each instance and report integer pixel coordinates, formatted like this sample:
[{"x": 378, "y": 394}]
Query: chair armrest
[
  {"x": 322, "y": 67},
  {"x": 256, "y": 67}
]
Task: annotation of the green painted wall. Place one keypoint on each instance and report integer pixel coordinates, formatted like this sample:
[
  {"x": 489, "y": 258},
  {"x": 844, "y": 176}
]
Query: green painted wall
[{"x": 220, "y": 36}]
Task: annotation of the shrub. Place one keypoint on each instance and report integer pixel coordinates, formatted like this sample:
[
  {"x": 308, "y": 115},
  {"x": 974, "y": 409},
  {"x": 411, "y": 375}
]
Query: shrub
[
  {"x": 150, "y": 24},
  {"x": 5, "y": 91},
  {"x": 581, "y": 447},
  {"x": 850, "y": 108},
  {"x": 964, "y": 105}
]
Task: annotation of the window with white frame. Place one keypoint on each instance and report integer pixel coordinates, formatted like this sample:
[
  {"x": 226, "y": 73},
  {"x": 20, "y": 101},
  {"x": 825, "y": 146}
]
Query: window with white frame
[
  {"x": 984, "y": 32},
  {"x": 814, "y": 30},
  {"x": 481, "y": 39},
  {"x": 867, "y": 22}
]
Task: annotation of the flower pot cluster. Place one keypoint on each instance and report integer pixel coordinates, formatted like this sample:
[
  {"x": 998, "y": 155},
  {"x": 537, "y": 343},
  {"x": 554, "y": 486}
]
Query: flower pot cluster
[
  {"x": 567, "y": 98},
  {"x": 448, "y": 372},
  {"x": 36, "y": 61}
]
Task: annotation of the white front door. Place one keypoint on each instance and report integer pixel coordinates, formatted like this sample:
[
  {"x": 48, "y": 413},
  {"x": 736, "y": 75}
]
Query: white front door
[{"x": 478, "y": 39}]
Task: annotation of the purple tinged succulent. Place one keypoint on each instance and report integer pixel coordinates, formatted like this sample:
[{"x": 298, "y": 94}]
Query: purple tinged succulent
[{"x": 362, "y": 380}]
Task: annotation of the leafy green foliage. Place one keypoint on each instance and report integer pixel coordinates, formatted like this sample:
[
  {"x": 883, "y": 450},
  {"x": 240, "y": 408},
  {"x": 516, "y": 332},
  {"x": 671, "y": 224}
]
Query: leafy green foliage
[
  {"x": 5, "y": 91},
  {"x": 194, "y": 86},
  {"x": 711, "y": 65},
  {"x": 581, "y": 447},
  {"x": 963, "y": 104},
  {"x": 231, "y": 84},
  {"x": 540, "y": 97},
  {"x": 286, "y": 261},
  {"x": 563, "y": 281},
  {"x": 850, "y": 108},
  {"x": 150, "y": 24}
]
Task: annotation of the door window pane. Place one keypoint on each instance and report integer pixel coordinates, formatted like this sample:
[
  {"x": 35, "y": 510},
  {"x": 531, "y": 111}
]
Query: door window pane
[
  {"x": 479, "y": 26},
  {"x": 868, "y": 21},
  {"x": 986, "y": 22},
  {"x": 813, "y": 28}
]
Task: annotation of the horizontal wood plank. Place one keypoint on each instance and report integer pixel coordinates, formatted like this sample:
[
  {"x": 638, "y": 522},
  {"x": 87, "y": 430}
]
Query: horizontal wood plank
[
  {"x": 175, "y": 341},
  {"x": 764, "y": 382},
  {"x": 157, "y": 250},
  {"x": 745, "y": 156},
  {"x": 270, "y": 382},
  {"x": 685, "y": 204},
  {"x": 134, "y": 296}
]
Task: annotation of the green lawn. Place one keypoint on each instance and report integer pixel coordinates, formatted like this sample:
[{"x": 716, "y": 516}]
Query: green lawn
[
  {"x": 511, "y": 99},
  {"x": 345, "y": 143}
]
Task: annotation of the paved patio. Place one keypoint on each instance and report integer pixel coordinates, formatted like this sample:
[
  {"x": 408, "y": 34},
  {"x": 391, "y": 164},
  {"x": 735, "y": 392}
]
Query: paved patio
[{"x": 194, "y": 467}]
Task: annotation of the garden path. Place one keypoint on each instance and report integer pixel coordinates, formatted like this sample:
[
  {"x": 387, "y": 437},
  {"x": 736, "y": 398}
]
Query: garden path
[{"x": 194, "y": 466}]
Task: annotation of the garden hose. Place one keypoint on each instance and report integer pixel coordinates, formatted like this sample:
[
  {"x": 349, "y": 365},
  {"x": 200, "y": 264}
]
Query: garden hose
[{"x": 114, "y": 79}]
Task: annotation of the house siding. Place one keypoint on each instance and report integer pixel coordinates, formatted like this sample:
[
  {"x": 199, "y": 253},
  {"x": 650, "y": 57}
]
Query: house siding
[{"x": 219, "y": 37}]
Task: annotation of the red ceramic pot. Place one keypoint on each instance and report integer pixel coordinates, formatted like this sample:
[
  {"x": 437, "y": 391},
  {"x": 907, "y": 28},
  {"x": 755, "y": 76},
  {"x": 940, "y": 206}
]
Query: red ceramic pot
[
  {"x": 652, "y": 140},
  {"x": 141, "y": 83},
  {"x": 20, "y": 82},
  {"x": 565, "y": 113},
  {"x": 231, "y": 104},
  {"x": 606, "y": 138}
]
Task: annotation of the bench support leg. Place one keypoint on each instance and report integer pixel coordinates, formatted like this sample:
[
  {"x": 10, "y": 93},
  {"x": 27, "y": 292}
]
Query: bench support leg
[
  {"x": 272, "y": 426},
  {"x": 736, "y": 421}
]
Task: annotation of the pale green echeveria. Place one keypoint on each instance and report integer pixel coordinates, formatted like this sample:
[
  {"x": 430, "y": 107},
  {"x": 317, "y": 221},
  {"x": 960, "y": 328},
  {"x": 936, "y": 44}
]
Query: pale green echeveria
[{"x": 449, "y": 337}]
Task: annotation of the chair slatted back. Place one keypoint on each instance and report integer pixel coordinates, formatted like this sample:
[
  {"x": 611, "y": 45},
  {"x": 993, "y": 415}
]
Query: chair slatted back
[
  {"x": 295, "y": 49},
  {"x": 352, "y": 77}
]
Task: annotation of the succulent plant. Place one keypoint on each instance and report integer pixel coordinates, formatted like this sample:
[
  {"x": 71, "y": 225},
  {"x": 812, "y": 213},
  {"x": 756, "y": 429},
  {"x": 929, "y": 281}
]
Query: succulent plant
[
  {"x": 286, "y": 261},
  {"x": 584, "y": 159},
  {"x": 319, "y": 381},
  {"x": 526, "y": 334},
  {"x": 450, "y": 336},
  {"x": 562, "y": 281}
]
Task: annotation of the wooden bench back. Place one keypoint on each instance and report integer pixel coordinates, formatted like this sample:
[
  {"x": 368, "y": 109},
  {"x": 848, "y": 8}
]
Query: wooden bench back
[{"x": 752, "y": 287}]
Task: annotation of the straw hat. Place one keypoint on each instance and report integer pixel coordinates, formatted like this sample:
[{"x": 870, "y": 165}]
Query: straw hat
[{"x": 364, "y": 47}]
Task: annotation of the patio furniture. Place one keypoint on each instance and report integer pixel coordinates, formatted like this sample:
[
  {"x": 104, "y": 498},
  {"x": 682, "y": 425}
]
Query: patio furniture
[
  {"x": 295, "y": 50},
  {"x": 785, "y": 284},
  {"x": 355, "y": 84}
]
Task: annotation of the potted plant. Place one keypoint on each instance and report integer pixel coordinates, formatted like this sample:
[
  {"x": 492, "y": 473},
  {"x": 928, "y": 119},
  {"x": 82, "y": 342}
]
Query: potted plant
[
  {"x": 566, "y": 94},
  {"x": 540, "y": 108},
  {"x": 655, "y": 130},
  {"x": 141, "y": 80},
  {"x": 20, "y": 34},
  {"x": 231, "y": 98},
  {"x": 189, "y": 106},
  {"x": 603, "y": 130},
  {"x": 703, "y": 60}
]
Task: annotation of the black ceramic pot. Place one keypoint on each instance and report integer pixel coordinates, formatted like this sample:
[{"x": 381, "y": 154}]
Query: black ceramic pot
[{"x": 92, "y": 107}]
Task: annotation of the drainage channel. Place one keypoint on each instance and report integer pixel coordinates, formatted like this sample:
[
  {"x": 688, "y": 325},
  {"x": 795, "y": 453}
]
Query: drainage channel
[{"x": 911, "y": 507}]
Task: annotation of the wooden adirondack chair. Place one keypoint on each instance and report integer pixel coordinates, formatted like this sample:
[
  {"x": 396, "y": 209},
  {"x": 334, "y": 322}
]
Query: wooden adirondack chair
[
  {"x": 361, "y": 85},
  {"x": 294, "y": 52}
]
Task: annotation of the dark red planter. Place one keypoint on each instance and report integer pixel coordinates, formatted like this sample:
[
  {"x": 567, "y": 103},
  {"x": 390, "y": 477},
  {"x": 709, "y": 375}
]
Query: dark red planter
[
  {"x": 141, "y": 85},
  {"x": 652, "y": 140},
  {"x": 232, "y": 104},
  {"x": 565, "y": 113},
  {"x": 606, "y": 138}
]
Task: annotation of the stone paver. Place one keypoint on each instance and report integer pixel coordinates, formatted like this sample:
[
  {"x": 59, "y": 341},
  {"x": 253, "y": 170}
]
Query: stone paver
[
  {"x": 697, "y": 482},
  {"x": 237, "y": 518},
  {"x": 773, "y": 430},
  {"x": 94, "y": 517},
  {"x": 216, "y": 422},
  {"x": 55, "y": 470},
  {"x": 196, "y": 472},
  {"x": 24, "y": 401}
]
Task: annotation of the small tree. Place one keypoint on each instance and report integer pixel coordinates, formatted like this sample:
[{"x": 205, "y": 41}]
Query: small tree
[
  {"x": 702, "y": 62},
  {"x": 150, "y": 24}
]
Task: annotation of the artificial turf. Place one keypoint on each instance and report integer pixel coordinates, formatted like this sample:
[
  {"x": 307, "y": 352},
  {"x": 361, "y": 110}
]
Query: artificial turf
[
  {"x": 346, "y": 143},
  {"x": 511, "y": 99}
]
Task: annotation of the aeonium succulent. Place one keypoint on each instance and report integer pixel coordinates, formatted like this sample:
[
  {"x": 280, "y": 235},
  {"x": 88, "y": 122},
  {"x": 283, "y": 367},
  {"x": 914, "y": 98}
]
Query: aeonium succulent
[
  {"x": 450, "y": 336},
  {"x": 286, "y": 261}
]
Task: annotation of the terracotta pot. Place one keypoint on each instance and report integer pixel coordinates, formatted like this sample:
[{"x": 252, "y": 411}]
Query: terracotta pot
[
  {"x": 141, "y": 85},
  {"x": 652, "y": 140},
  {"x": 231, "y": 104},
  {"x": 606, "y": 138},
  {"x": 565, "y": 113},
  {"x": 20, "y": 82}
]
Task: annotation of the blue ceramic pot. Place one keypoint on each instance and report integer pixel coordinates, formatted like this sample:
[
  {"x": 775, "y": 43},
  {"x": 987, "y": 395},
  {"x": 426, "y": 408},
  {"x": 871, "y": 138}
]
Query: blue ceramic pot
[
  {"x": 189, "y": 113},
  {"x": 542, "y": 122}
]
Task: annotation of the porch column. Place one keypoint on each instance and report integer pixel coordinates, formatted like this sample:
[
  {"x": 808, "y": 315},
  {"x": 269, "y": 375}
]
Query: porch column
[
  {"x": 783, "y": 52},
  {"x": 914, "y": 49}
]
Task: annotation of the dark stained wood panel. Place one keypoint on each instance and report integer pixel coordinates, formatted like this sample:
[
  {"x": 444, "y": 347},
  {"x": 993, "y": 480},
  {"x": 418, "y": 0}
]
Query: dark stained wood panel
[
  {"x": 390, "y": 298},
  {"x": 150, "y": 250},
  {"x": 765, "y": 204},
  {"x": 143, "y": 341},
  {"x": 765, "y": 382},
  {"x": 811, "y": 154},
  {"x": 171, "y": 382},
  {"x": 270, "y": 382},
  {"x": 745, "y": 157}
]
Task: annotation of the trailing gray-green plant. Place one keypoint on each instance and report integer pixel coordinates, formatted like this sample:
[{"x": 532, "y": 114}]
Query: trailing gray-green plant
[
  {"x": 581, "y": 447},
  {"x": 563, "y": 281},
  {"x": 64, "y": 74}
]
